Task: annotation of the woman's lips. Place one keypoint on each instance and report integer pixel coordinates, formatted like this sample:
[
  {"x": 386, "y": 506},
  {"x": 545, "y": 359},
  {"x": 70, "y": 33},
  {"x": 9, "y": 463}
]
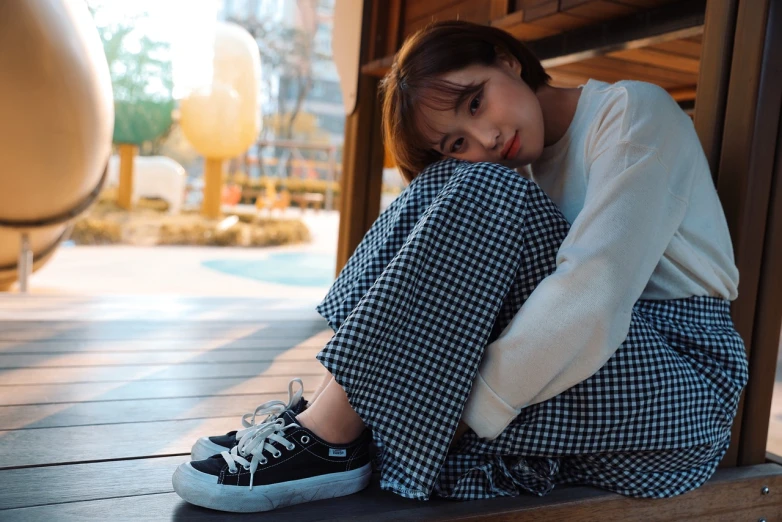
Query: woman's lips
[{"x": 512, "y": 147}]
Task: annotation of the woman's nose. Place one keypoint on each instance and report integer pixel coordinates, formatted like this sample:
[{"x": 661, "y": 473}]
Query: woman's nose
[{"x": 490, "y": 139}]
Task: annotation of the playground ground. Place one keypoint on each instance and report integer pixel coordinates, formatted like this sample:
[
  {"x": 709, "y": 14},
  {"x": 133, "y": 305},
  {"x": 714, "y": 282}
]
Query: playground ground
[{"x": 189, "y": 271}]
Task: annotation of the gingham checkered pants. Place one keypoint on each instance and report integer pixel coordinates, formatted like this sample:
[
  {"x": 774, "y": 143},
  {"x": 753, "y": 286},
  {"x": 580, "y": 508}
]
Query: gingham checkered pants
[{"x": 438, "y": 276}]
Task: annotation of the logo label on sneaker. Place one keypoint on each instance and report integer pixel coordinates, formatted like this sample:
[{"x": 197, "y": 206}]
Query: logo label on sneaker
[{"x": 338, "y": 452}]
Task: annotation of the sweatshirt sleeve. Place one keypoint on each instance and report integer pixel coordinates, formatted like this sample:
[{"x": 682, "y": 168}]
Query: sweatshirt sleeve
[{"x": 578, "y": 316}]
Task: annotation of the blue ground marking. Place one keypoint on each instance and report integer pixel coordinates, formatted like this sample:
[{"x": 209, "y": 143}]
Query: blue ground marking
[{"x": 293, "y": 269}]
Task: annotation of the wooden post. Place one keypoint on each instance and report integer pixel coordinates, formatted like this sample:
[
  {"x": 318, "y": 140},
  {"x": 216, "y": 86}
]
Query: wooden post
[
  {"x": 213, "y": 187},
  {"x": 127, "y": 154},
  {"x": 362, "y": 157}
]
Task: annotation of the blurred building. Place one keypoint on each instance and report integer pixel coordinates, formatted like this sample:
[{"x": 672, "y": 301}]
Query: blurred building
[{"x": 312, "y": 17}]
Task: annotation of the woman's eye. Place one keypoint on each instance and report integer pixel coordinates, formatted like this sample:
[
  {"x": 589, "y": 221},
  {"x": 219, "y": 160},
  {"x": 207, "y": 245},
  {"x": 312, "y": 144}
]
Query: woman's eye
[
  {"x": 475, "y": 104},
  {"x": 457, "y": 145}
]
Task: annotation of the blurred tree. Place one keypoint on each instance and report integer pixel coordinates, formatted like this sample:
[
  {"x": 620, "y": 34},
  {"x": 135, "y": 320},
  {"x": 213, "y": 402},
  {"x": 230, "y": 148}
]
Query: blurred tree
[
  {"x": 288, "y": 55},
  {"x": 142, "y": 79}
]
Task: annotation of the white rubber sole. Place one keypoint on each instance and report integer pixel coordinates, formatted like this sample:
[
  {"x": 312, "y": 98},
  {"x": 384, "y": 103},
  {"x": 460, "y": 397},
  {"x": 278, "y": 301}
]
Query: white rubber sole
[
  {"x": 205, "y": 448},
  {"x": 202, "y": 489}
]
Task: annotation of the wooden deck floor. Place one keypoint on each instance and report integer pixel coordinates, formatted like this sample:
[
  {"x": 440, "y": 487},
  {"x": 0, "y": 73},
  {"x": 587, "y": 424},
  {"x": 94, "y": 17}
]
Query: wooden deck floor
[{"x": 102, "y": 398}]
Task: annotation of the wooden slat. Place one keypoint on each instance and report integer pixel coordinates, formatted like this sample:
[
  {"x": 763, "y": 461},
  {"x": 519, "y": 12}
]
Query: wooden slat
[
  {"x": 152, "y": 373},
  {"x": 746, "y": 159},
  {"x": 415, "y": 9},
  {"x": 714, "y": 75},
  {"x": 515, "y": 25},
  {"x": 659, "y": 59},
  {"x": 615, "y": 70},
  {"x": 466, "y": 10},
  {"x": 646, "y": 4},
  {"x": 54, "y": 345},
  {"x": 535, "y": 9},
  {"x": 80, "y": 482},
  {"x": 679, "y": 47},
  {"x": 561, "y": 22},
  {"x": 596, "y": 9},
  {"x": 152, "y": 308},
  {"x": 47, "y": 446},
  {"x": 139, "y": 390},
  {"x": 106, "y": 330},
  {"x": 128, "y": 412},
  {"x": 102, "y": 359},
  {"x": 683, "y": 93},
  {"x": 729, "y": 496},
  {"x": 765, "y": 169},
  {"x": 627, "y": 32}
]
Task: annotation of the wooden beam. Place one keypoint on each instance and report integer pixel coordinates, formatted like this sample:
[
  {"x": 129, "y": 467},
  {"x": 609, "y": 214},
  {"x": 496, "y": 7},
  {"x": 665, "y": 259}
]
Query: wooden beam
[
  {"x": 715, "y": 60},
  {"x": 681, "y": 20},
  {"x": 750, "y": 148},
  {"x": 362, "y": 170}
]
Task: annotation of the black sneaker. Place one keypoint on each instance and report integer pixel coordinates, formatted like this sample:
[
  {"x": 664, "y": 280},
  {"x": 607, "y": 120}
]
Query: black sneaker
[
  {"x": 277, "y": 465},
  {"x": 205, "y": 447}
]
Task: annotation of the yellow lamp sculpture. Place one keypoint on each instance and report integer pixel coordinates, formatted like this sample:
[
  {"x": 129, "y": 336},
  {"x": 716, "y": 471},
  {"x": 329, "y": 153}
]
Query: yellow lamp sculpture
[
  {"x": 55, "y": 128},
  {"x": 221, "y": 120}
]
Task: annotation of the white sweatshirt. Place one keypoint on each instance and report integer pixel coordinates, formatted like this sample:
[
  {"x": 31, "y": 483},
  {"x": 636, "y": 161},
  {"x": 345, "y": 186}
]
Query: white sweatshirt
[{"x": 632, "y": 179}]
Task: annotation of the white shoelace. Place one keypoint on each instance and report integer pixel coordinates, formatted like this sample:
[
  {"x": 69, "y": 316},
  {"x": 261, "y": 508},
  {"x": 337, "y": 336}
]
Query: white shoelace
[
  {"x": 254, "y": 442},
  {"x": 272, "y": 409}
]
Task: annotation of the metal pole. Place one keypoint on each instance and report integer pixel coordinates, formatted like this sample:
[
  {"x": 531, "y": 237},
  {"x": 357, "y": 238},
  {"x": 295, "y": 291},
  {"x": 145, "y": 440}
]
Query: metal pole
[{"x": 25, "y": 262}]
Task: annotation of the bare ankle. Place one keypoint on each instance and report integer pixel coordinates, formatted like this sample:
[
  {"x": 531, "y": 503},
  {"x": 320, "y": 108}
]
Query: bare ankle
[{"x": 331, "y": 432}]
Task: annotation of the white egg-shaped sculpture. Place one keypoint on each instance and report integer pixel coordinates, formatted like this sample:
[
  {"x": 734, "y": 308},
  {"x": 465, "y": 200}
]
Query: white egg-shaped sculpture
[
  {"x": 56, "y": 126},
  {"x": 222, "y": 118}
]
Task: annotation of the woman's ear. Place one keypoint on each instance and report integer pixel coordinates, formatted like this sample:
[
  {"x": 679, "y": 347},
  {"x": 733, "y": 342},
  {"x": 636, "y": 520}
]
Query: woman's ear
[{"x": 508, "y": 62}]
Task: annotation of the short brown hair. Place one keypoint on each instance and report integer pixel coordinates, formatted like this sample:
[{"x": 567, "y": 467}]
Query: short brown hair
[{"x": 413, "y": 80}]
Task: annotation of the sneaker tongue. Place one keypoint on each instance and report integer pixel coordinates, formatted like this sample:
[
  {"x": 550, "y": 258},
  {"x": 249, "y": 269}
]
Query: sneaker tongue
[
  {"x": 299, "y": 406},
  {"x": 288, "y": 417}
]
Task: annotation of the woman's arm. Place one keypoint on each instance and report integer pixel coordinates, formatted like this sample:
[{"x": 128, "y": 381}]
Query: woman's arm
[{"x": 577, "y": 317}]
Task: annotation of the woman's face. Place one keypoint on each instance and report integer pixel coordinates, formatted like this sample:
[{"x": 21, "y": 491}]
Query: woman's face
[{"x": 502, "y": 123}]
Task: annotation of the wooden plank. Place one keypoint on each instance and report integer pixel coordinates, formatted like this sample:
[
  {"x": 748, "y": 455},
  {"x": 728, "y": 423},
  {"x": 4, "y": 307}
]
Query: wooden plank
[
  {"x": 362, "y": 154},
  {"x": 65, "y": 360},
  {"x": 745, "y": 169},
  {"x": 152, "y": 308},
  {"x": 646, "y": 4},
  {"x": 466, "y": 10},
  {"x": 152, "y": 373},
  {"x": 603, "y": 66},
  {"x": 613, "y": 74},
  {"x": 80, "y": 482},
  {"x": 727, "y": 497},
  {"x": 141, "y": 389},
  {"x": 658, "y": 58},
  {"x": 75, "y": 444},
  {"x": 680, "y": 47},
  {"x": 765, "y": 165},
  {"x": 627, "y": 32},
  {"x": 415, "y": 9},
  {"x": 561, "y": 22},
  {"x": 535, "y": 9},
  {"x": 515, "y": 25},
  {"x": 596, "y": 9},
  {"x": 714, "y": 74},
  {"x": 105, "y": 330},
  {"x": 760, "y": 417},
  {"x": 54, "y": 346},
  {"x": 127, "y": 412}
]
